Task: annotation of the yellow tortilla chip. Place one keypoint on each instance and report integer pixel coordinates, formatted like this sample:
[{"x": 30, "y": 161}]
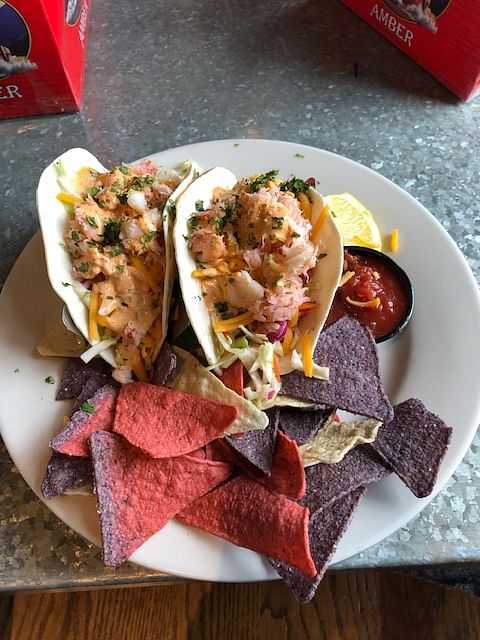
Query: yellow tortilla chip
[
  {"x": 336, "y": 439},
  {"x": 192, "y": 377},
  {"x": 61, "y": 342}
]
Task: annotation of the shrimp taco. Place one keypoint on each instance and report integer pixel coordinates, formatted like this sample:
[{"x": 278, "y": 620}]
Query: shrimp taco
[
  {"x": 259, "y": 261},
  {"x": 109, "y": 251}
]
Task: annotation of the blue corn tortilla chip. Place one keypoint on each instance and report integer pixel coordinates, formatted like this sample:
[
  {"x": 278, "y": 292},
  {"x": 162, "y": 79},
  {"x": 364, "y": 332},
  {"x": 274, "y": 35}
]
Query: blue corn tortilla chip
[
  {"x": 414, "y": 444},
  {"x": 327, "y": 483},
  {"x": 164, "y": 365},
  {"x": 64, "y": 473},
  {"x": 77, "y": 376},
  {"x": 301, "y": 425},
  {"x": 257, "y": 447},
  {"x": 325, "y": 529},
  {"x": 96, "y": 414},
  {"x": 354, "y": 385}
]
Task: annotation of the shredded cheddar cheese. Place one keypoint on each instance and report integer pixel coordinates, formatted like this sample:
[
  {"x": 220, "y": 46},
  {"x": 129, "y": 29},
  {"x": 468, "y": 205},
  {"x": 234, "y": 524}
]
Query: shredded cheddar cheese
[
  {"x": 287, "y": 341},
  {"x": 307, "y": 355},
  {"x": 305, "y": 206},
  {"x": 205, "y": 273},
  {"x": 222, "y": 326},
  {"x": 92, "y": 315},
  {"x": 319, "y": 223},
  {"x": 68, "y": 198},
  {"x": 370, "y": 304},
  {"x": 394, "y": 240}
]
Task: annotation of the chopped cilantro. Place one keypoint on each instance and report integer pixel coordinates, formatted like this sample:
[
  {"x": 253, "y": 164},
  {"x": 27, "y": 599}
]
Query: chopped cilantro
[
  {"x": 199, "y": 206},
  {"x": 299, "y": 155},
  {"x": 116, "y": 251},
  {"x": 83, "y": 267},
  {"x": 147, "y": 237},
  {"x": 295, "y": 186},
  {"x": 111, "y": 232},
  {"x": 193, "y": 223},
  {"x": 122, "y": 198},
  {"x": 88, "y": 407},
  {"x": 94, "y": 191},
  {"x": 173, "y": 211},
  {"x": 120, "y": 268},
  {"x": 66, "y": 284},
  {"x": 230, "y": 209},
  {"x": 262, "y": 180},
  {"x": 92, "y": 222},
  {"x": 321, "y": 255},
  {"x": 277, "y": 223},
  {"x": 91, "y": 243},
  {"x": 236, "y": 144},
  {"x": 219, "y": 224},
  {"x": 75, "y": 236},
  {"x": 16, "y": 370},
  {"x": 140, "y": 182},
  {"x": 125, "y": 170},
  {"x": 333, "y": 213},
  {"x": 50, "y": 380},
  {"x": 295, "y": 235}
]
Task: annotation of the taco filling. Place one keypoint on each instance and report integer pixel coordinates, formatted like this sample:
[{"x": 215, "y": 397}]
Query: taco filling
[
  {"x": 255, "y": 248},
  {"x": 115, "y": 237}
]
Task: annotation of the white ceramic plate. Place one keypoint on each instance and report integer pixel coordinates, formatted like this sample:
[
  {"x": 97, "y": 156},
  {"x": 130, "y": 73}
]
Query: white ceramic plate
[{"x": 436, "y": 359}]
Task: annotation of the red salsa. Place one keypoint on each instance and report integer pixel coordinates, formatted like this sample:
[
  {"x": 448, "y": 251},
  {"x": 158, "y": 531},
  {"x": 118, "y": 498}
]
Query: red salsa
[{"x": 372, "y": 292}]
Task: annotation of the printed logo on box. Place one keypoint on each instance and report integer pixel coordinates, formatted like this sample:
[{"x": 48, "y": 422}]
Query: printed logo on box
[
  {"x": 15, "y": 43},
  {"x": 421, "y": 12}
]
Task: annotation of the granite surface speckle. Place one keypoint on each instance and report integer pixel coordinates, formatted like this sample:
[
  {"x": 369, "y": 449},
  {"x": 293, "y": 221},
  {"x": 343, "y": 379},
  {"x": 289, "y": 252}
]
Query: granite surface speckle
[{"x": 162, "y": 74}]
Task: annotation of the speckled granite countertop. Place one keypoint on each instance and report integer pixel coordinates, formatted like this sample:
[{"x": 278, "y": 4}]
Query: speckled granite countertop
[{"x": 162, "y": 74}]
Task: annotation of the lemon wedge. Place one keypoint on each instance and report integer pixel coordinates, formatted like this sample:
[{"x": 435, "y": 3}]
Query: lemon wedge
[{"x": 355, "y": 222}]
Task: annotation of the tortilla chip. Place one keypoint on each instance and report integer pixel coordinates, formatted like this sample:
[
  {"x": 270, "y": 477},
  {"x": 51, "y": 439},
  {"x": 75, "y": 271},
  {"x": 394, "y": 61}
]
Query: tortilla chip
[
  {"x": 245, "y": 513},
  {"x": 302, "y": 425},
  {"x": 60, "y": 342},
  {"x": 221, "y": 451},
  {"x": 165, "y": 423},
  {"x": 349, "y": 350},
  {"x": 336, "y": 439},
  {"x": 326, "y": 528},
  {"x": 288, "y": 475},
  {"x": 257, "y": 447},
  {"x": 329, "y": 482},
  {"x": 164, "y": 365},
  {"x": 65, "y": 473},
  {"x": 73, "y": 440},
  {"x": 414, "y": 444},
  {"x": 77, "y": 375},
  {"x": 233, "y": 377},
  {"x": 192, "y": 377},
  {"x": 137, "y": 495}
]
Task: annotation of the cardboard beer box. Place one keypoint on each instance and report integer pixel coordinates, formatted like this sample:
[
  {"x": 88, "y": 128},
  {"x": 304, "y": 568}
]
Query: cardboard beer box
[
  {"x": 42, "y": 56},
  {"x": 441, "y": 35}
]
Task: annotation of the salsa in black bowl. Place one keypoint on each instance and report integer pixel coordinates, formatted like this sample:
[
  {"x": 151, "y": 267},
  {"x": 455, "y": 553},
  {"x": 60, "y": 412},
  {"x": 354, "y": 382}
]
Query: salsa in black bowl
[{"x": 375, "y": 291}]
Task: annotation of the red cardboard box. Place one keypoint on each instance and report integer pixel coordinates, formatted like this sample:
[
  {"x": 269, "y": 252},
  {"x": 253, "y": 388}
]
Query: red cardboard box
[
  {"x": 42, "y": 56},
  {"x": 441, "y": 35}
]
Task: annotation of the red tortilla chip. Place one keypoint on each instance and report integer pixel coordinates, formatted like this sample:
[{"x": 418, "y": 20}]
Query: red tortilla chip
[
  {"x": 165, "y": 423},
  {"x": 96, "y": 415},
  {"x": 245, "y": 513},
  {"x": 232, "y": 377},
  {"x": 288, "y": 475},
  {"x": 137, "y": 495}
]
